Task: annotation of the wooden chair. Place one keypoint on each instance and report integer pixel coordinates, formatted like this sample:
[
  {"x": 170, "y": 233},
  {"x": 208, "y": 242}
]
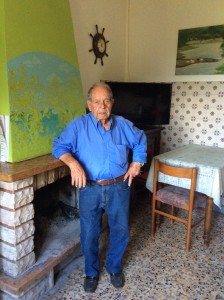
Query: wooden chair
[{"x": 176, "y": 197}]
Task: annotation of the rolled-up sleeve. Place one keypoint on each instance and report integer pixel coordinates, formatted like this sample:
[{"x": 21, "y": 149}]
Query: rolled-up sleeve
[
  {"x": 140, "y": 146},
  {"x": 65, "y": 142}
]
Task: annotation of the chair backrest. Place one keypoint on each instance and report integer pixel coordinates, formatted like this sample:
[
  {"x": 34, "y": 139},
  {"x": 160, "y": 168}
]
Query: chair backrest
[{"x": 180, "y": 172}]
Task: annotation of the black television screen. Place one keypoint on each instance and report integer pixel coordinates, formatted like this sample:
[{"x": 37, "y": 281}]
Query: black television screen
[{"x": 145, "y": 104}]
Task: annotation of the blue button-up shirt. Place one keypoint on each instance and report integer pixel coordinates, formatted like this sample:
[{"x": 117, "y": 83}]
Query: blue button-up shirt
[{"x": 103, "y": 154}]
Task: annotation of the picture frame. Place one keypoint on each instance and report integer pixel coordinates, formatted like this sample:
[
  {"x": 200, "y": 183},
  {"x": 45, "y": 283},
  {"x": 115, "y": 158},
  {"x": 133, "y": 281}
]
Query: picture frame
[{"x": 200, "y": 51}]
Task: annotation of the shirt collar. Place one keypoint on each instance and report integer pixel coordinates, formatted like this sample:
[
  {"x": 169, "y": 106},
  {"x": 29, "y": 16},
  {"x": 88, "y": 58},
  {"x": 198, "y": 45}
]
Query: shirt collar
[{"x": 97, "y": 123}]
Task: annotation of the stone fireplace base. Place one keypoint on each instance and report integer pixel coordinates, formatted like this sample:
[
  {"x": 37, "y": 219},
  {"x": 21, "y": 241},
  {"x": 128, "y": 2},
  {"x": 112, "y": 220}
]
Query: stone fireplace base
[
  {"x": 40, "y": 277},
  {"x": 21, "y": 268}
]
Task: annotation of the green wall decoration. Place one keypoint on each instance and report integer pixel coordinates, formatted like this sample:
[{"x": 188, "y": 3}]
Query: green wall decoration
[{"x": 42, "y": 84}]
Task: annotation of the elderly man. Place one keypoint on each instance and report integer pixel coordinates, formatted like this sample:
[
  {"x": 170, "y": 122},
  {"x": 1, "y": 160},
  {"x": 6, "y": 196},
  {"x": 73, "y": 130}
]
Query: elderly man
[{"x": 96, "y": 148}]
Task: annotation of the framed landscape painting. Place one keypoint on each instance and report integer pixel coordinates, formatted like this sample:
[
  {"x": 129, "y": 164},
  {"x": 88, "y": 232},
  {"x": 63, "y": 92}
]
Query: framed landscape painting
[{"x": 200, "y": 51}]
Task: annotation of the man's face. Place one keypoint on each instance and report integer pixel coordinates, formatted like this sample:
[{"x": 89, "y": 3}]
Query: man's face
[{"x": 101, "y": 104}]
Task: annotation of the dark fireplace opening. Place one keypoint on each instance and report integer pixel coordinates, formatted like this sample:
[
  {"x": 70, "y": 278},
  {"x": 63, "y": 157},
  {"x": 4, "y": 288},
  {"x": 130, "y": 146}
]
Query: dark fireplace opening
[{"x": 56, "y": 219}]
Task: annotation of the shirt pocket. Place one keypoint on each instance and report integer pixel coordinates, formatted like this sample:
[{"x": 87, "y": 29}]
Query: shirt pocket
[{"x": 118, "y": 154}]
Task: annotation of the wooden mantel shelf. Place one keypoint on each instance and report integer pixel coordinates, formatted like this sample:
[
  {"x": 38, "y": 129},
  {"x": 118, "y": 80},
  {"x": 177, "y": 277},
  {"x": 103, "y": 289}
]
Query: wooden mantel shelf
[{"x": 10, "y": 172}]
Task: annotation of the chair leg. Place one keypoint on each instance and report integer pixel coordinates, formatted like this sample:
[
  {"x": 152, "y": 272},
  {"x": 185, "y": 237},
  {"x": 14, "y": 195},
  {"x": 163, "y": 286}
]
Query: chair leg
[
  {"x": 158, "y": 217},
  {"x": 153, "y": 220},
  {"x": 189, "y": 226},
  {"x": 208, "y": 220}
]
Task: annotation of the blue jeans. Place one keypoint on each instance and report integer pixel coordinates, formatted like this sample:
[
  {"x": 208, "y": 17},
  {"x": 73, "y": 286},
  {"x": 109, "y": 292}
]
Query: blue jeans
[{"x": 94, "y": 199}]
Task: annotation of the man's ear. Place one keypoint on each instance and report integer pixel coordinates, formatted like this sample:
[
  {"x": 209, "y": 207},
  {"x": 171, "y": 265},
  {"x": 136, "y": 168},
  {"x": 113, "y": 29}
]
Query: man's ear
[{"x": 89, "y": 105}]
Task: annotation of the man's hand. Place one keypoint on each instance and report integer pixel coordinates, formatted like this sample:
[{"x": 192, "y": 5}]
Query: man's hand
[
  {"x": 78, "y": 176},
  {"x": 133, "y": 170}
]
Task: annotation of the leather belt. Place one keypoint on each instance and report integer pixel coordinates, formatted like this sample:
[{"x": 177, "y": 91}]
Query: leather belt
[{"x": 107, "y": 181}]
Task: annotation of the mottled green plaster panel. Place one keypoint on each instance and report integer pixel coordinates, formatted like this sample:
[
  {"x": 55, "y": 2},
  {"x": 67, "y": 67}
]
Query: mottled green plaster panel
[
  {"x": 45, "y": 93},
  {"x": 4, "y": 97}
]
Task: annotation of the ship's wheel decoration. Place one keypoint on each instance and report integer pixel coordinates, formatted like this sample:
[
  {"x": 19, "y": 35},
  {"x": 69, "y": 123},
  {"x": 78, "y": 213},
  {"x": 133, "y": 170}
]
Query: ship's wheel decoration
[{"x": 99, "y": 45}]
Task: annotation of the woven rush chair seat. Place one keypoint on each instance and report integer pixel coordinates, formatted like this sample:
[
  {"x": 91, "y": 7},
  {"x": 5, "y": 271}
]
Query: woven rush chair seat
[{"x": 179, "y": 197}]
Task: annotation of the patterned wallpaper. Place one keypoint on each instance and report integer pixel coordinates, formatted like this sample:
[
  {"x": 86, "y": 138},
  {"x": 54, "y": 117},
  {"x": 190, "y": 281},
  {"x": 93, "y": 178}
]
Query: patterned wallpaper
[{"x": 196, "y": 117}]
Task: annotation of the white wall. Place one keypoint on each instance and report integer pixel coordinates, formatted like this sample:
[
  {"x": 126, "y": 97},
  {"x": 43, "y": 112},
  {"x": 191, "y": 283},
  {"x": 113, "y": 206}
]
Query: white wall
[
  {"x": 154, "y": 26},
  {"x": 108, "y": 14},
  {"x": 142, "y": 36}
]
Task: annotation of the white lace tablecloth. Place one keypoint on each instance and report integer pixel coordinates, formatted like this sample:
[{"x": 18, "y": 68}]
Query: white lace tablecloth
[{"x": 209, "y": 162}]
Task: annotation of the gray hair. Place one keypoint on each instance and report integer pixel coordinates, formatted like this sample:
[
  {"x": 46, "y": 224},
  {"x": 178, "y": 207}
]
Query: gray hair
[{"x": 99, "y": 84}]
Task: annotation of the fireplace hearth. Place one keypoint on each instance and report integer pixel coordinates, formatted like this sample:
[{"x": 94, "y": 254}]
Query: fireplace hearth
[
  {"x": 34, "y": 245},
  {"x": 53, "y": 230}
]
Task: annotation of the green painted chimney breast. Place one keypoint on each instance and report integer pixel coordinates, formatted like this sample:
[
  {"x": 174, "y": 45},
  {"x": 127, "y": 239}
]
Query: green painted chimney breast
[{"x": 40, "y": 80}]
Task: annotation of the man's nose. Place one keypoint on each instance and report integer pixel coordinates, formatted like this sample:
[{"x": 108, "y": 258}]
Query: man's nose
[{"x": 102, "y": 104}]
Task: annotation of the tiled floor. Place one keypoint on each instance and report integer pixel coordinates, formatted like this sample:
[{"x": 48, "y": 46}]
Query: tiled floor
[{"x": 159, "y": 269}]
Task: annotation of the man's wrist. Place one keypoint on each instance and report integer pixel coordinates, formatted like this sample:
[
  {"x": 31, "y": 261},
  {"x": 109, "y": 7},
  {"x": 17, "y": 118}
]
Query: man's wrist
[{"x": 141, "y": 164}]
